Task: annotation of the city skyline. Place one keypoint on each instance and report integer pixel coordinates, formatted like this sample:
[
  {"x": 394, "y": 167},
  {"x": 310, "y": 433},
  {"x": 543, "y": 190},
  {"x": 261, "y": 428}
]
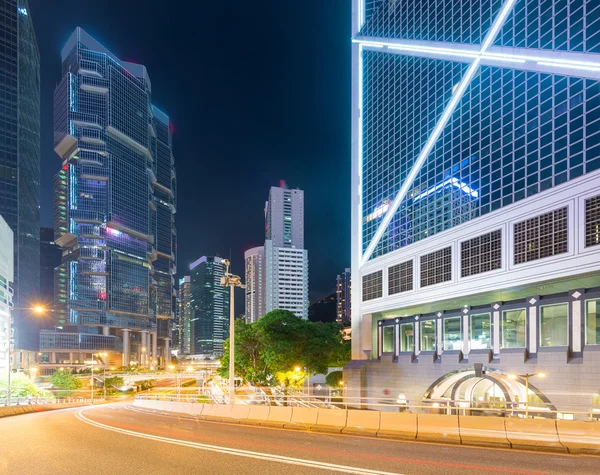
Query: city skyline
[{"x": 309, "y": 149}]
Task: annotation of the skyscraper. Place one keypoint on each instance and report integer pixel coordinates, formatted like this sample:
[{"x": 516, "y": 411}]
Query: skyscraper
[
  {"x": 255, "y": 283},
  {"x": 184, "y": 315},
  {"x": 20, "y": 160},
  {"x": 50, "y": 258},
  {"x": 209, "y": 302},
  {"x": 114, "y": 209},
  {"x": 6, "y": 277},
  {"x": 476, "y": 205},
  {"x": 343, "y": 293},
  {"x": 286, "y": 260}
]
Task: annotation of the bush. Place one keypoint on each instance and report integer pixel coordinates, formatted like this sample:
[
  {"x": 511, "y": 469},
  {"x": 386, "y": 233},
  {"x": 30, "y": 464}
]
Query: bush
[
  {"x": 333, "y": 379},
  {"x": 21, "y": 386},
  {"x": 65, "y": 380}
]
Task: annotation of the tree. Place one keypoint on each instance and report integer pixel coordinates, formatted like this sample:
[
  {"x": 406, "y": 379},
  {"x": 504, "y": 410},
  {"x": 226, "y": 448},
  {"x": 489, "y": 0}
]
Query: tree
[
  {"x": 333, "y": 379},
  {"x": 64, "y": 379},
  {"x": 280, "y": 341},
  {"x": 114, "y": 382},
  {"x": 22, "y": 386}
]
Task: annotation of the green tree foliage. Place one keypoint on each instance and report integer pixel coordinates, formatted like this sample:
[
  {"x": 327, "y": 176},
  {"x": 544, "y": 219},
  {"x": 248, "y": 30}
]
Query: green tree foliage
[
  {"x": 114, "y": 382},
  {"x": 280, "y": 341},
  {"x": 333, "y": 379},
  {"x": 64, "y": 379},
  {"x": 21, "y": 385}
]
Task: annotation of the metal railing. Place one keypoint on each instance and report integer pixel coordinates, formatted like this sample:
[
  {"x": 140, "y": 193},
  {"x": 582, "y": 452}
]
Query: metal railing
[{"x": 25, "y": 401}]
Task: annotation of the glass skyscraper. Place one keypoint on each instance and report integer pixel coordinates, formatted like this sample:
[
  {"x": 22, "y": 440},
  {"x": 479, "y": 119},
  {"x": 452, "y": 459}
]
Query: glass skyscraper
[
  {"x": 209, "y": 303},
  {"x": 476, "y": 204},
  {"x": 114, "y": 209},
  {"x": 20, "y": 160}
]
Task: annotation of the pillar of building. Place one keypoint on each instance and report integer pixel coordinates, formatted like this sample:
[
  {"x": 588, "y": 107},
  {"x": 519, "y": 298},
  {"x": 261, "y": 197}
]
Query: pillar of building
[
  {"x": 167, "y": 351},
  {"x": 52, "y": 357},
  {"x": 106, "y": 331},
  {"x": 126, "y": 348},
  {"x": 154, "y": 360},
  {"x": 71, "y": 357}
]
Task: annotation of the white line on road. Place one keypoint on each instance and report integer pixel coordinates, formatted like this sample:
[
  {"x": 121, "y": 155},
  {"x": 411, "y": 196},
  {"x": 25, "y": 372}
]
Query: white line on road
[{"x": 239, "y": 452}]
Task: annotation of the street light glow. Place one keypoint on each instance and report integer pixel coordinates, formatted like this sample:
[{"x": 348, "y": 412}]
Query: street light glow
[
  {"x": 39, "y": 309},
  {"x": 541, "y": 375},
  {"x": 297, "y": 369},
  {"x": 189, "y": 369},
  {"x": 171, "y": 367}
]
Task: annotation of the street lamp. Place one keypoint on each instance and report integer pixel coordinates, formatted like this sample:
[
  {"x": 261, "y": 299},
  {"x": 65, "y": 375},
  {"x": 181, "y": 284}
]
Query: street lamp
[
  {"x": 231, "y": 281},
  {"x": 38, "y": 309},
  {"x": 526, "y": 376}
]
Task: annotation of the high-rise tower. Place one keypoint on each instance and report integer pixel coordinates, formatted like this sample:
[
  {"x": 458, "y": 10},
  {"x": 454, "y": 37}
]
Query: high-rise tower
[
  {"x": 255, "y": 283},
  {"x": 20, "y": 161},
  {"x": 209, "y": 302},
  {"x": 114, "y": 209},
  {"x": 475, "y": 200},
  {"x": 343, "y": 292},
  {"x": 286, "y": 260}
]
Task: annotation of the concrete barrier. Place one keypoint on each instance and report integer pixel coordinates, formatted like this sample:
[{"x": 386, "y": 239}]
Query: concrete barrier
[
  {"x": 302, "y": 418},
  {"x": 208, "y": 411},
  {"x": 398, "y": 425},
  {"x": 278, "y": 416},
  {"x": 330, "y": 420},
  {"x": 257, "y": 414},
  {"x": 483, "y": 430},
  {"x": 362, "y": 422},
  {"x": 222, "y": 413},
  {"x": 533, "y": 434},
  {"x": 240, "y": 412},
  {"x": 438, "y": 428},
  {"x": 579, "y": 437}
]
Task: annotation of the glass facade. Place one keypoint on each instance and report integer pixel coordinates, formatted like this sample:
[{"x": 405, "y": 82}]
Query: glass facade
[
  {"x": 20, "y": 159},
  {"x": 513, "y": 133},
  {"x": 592, "y": 322},
  {"x": 428, "y": 335},
  {"x": 554, "y": 325},
  {"x": 480, "y": 331},
  {"x": 513, "y": 329},
  {"x": 452, "y": 334},
  {"x": 114, "y": 196}
]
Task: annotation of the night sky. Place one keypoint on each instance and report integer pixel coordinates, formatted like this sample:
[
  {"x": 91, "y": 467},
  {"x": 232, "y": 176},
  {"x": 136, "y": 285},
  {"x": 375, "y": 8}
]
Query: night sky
[{"x": 257, "y": 91}]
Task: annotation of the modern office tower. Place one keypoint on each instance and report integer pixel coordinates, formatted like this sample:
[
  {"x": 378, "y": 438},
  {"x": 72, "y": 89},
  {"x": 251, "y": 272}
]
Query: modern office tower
[
  {"x": 286, "y": 260},
  {"x": 114, "y": 211},
  {"x": 209, "y": 302},
  {"x": 184, "y": 315},
  {"x": 343, "y": 293},
  {"x": 476, "y": 201},
  {"x": 6, "y": 277},
  {"x": 20, "y": 161},
  {"x": 50, "y": 258},
  {"x": 255, "y": 283}
]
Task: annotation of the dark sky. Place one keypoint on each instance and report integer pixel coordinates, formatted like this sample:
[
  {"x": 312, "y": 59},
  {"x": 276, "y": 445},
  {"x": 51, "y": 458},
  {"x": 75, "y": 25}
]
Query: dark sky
[{"x": 257, "y": 91}]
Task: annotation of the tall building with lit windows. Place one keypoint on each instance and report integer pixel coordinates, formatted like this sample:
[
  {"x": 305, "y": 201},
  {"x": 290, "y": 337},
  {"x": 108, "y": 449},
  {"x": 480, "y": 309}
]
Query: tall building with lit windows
[
  {"x": 286, "y": 260},
  {"x": 255, "y": 283},
  {"x": 476, "y": 202},
  {"x": 343, "y": 292},
  {"x": 114, "y": 211},
  {"x": 20, "y": 164}
]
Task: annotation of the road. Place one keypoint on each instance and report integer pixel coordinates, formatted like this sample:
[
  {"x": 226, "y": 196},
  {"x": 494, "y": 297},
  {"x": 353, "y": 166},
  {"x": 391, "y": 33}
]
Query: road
[{"x": 117, "y": 438}]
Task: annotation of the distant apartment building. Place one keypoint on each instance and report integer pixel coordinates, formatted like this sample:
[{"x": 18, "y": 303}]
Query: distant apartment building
[
  {"x": 6, "y": 279},
  {"x": 209, "y": 304},
  {"x": 183, "y": 323},
  {"x": 20, "y": 164},
  {"x": 343, "y": 288},
  {"x": 255, "y": 283},
  {"x": 286, "y": 260}
]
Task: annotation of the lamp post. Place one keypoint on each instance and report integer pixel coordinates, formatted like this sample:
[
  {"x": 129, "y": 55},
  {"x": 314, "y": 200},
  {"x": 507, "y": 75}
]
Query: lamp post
[
  {"x": 231, "y": 281},
  {"x": 526, "y": 376},
  {"x": 38, "y": 309}
]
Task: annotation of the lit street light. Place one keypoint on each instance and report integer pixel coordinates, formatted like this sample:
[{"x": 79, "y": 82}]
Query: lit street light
[
  {"x": 231, "y": 281},
  {"x": 526, "y": 376}
]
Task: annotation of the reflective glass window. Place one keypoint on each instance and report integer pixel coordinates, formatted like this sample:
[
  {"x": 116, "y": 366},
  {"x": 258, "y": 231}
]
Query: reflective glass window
[
  {"x": 480, "y": 331},
  {"x": 592, "y": 322},
  {"x": 452, "y": 334},
  {"x": 513, "y": 328},
  {"x": 388, "y": 339},
  {"x": 407, "y": 337},
  {"x": 554, "y": 325},
  {"x": 428, "y": 335}
]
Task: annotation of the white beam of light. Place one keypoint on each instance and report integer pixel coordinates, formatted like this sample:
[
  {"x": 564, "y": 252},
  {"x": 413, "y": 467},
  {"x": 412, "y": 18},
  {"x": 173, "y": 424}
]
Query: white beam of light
[{"x": 439, "y": 127}]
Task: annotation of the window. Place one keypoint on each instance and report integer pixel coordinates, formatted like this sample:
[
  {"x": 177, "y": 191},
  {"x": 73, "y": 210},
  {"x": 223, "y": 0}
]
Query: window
[
  {"x": 480, "y": 331},
  {"x": 372, "y": 286},
  {"x": 452, "y": 336},
  {"x": 554, "y": 325},
  {"x": 592, "y": 221},
  {"x": 542, "y": 236},
  {"x": 428, "y": 335},
  {"x": 592, "y": 322},
  {"x": 436, "y": 267},
  {"x": 407, "y": 337},
  {"x": 388, "y": 339},
  {"x": 513, "y": 329},
  {"x": 481, "y": 254},
  {"x": 400, "y": 278}
]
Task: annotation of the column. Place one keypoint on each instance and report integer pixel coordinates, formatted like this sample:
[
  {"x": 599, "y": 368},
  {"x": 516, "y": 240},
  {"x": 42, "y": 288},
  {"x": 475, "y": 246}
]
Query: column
[
  {"x": 466, "y": 330},
  {"x": 577, "y": 312},
  {"x": 167, "y": 351},
  {"x": 126, "y": 348},
  {"x": 532, "y": 329},
  {"x": 144, "y": 348},
  {"x": 496, "y": 328},
  {"x": 71, "y": 357},
  {"x": 52, "y": 357},
  {"x": 154, "y": 360},
  {"x": 439, "y": 335},
  {"x": 106, "y": 331},
  {"x": 417, "y": 335}
]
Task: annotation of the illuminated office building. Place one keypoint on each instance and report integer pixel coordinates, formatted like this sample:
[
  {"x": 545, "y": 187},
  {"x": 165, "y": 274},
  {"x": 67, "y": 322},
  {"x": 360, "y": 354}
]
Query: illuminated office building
[
  {"x": 343, "y": 292},
  {"x": 183, "y": 323},
  {"x": 476, "y": 201},
  {"x": 255, "y": 283},
  {"x": 114, "y": 211},
  {"x": 6, "y": 279}
]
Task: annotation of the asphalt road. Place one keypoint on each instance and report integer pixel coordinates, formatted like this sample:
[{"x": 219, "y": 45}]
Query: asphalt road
[{"x": 120, "y": 439}]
